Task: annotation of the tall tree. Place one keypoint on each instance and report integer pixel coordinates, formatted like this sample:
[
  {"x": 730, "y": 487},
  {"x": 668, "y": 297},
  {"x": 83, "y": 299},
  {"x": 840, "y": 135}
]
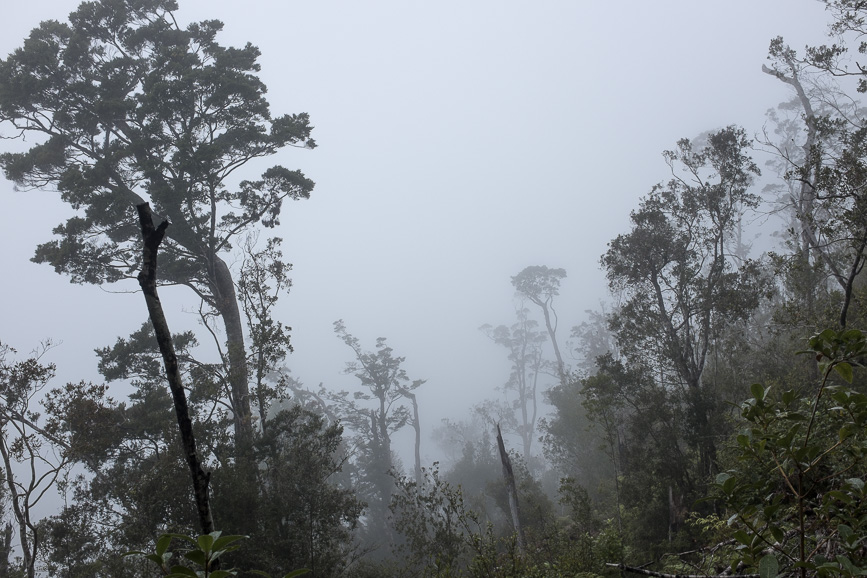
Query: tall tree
[
  {"x": 524, "y": 343},
  {"x": 127, "y": 107},
  {"x": 680, "y": 281},
  {"x": 540, "y": 285},
  {"x": 387, "y": 385},
  {"x": 826, "y": 164}
]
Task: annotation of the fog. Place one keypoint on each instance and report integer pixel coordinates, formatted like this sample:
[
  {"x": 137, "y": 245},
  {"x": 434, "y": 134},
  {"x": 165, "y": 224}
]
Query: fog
[{"x": 458, "y": 143}]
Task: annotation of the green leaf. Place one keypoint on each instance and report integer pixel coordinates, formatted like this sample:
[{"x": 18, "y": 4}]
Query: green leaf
[
  {"x": 155, "y": 558},
  {"x": 847, "y": 565},
  {"x": 184, "y": 537},
  {"x": 205, "y": 542},
  {"x": 758, "y": 391},
  {"x": 729, "y": 485},
  {"x": 180, "y": 571},
  {"x": 197, "y": 557},
  {"x": 777, "y": 533},
  {"x": 163, "y": 544},
  {"x": 844, "y": 370},
  {"x": 846, "y": 431},
  {"x": 222, "y": 573},
  {"x": 223, "y": 541},
  {"x": 851, "y": 335},
  {"x": 844, "y": 531},
  {"x": 838, "y": 495},
  {"x": 768, "y": 566},
  {"x": 298, "y": 572},
  {"x": 742, "y": 537}
]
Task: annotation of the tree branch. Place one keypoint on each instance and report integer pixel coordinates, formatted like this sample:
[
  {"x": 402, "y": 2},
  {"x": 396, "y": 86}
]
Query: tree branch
[{"x": 644, "y": 572}]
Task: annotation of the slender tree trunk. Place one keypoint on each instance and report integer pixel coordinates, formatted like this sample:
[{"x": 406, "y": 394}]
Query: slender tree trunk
[
  {"x": 552, "y": 330},
  {"x": 22, "y": 514},
  {"x": 152, "y": 237},
  {"x": 416, "y": 425},
  {"x": 512, "y": 489}
]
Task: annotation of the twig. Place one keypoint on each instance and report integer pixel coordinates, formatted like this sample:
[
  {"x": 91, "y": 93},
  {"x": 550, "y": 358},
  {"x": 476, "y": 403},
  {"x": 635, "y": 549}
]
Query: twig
[{"x": 635, "y": 570}]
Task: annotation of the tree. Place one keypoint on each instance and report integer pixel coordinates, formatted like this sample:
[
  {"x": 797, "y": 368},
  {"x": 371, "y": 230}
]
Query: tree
[
  {"x": 681, "y": 282},
  {"x": 387, "y": 384},
  {"x": 795, "y": 495},
  {"x": 264, "y": 276},
  {"x": 31, "y": 463},
  {"x": 437, "y": 526},
  {"x": 137, "y": 482},
  {"x": 583, "y": 441},
  {"x": 825, "y": 164},
  {"x": 540, "y": 285},
  {"x": 524, "y": 343},
  {"x": 309, "y": 519},
  {"x": 126, "y": 107}
]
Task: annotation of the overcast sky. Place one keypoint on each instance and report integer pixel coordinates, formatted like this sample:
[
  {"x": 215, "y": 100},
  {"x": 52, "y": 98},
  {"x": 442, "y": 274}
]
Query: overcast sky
[{"x": 459, "y": 141}]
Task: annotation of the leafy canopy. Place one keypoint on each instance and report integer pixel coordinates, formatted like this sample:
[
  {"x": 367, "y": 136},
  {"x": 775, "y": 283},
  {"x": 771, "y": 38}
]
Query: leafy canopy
[{"x": 126, "y": 107}]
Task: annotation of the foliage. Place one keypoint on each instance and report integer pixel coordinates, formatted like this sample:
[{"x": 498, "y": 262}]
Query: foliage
[
  {"x": 205, "y": 556},
  {"x": 446, "y": 537},
  {"x": 264, "y": 277},
  {"x": 582, "y": 448},
  {"x": 125, "y": 106},
  {"x": 307, "y": 519},
  {"x": 33, "y": 457},
  {"x": 524, "y": 343},
  {"x": 797, "y": 492},
  {"x": 540, "y": 285},
  {"x": 437, "y": 527},
  {"x": 386, "y": 386},
  {"x": 675, "y": 268}
]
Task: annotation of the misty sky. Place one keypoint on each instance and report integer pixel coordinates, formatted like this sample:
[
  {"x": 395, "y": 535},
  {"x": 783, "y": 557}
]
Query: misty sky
[{"x": 458, "y": 143}]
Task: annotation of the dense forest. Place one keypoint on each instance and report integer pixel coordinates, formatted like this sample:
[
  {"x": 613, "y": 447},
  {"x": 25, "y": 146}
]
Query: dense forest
[{"x": 709, "y": 420}]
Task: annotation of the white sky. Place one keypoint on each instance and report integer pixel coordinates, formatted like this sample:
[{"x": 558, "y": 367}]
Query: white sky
[{"x": 460, "y": 141}]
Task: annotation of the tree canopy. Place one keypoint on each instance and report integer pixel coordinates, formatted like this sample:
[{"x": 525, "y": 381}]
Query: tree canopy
[{"x": 126, "y": 106}]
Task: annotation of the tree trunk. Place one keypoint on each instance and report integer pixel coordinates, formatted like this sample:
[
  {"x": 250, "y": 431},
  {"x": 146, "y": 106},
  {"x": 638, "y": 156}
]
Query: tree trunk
[
  {"x": 227, "y": 305},
  {"x": 416, "y": 425},
  {"x": 21, "y": 511},
  {"x": 561, "y": 367},
  {"x": 148, "y": 281},
  {"x": 222, "y": 288},
  {"x": 512, "y": 489}
]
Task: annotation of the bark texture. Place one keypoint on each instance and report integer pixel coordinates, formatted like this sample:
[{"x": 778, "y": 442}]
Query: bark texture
[{"x": 152, "y": 237}]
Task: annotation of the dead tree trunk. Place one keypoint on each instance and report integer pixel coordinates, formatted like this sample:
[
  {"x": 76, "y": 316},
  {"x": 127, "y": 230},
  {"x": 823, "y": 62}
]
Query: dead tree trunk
[
  {"x": 152, "y": 237},
  {"x": 512, "y": 490}
]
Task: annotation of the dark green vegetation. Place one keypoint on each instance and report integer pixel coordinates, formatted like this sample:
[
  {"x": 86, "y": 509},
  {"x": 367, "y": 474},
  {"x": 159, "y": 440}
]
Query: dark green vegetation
[{"x": 701, "y": 431}]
